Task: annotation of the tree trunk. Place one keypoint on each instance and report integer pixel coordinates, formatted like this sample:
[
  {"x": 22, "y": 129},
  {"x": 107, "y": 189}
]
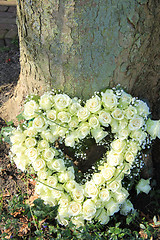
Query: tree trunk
[{"x": 82, "y": 46}]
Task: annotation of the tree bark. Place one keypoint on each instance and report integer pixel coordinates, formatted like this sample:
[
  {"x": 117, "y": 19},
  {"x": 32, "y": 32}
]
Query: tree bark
[{"x": 82, "y": 46}]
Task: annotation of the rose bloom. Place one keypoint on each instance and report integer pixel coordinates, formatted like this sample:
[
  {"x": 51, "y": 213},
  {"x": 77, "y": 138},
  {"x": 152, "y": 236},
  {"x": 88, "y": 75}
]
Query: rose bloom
[
  {"x": 78, "y": 194},
  {"x": 51, "y": 114},
  {"x": 104, "y": 194},
  {"x": 117, "y": 114},
  {"x": 58, "y": 165},
  {"x": 98, "y": 179},
  {"x": 48, "y": 136},
  {"x": 103, "y": 217},
  {"x": 38, "y": 164},
  {"x": 62, "y": 220},
  {"x": 74, "y": 107},
  {"x": 121, "y": 195},
  {"x": 17, "y": 137},
  {"x": 114, "y": 158},
  {"x": 114, "y": 125},
  {"x": 64, "y": 200},
  {"x": 49, "y": 154},
  {"x": 118, "y": 145},
  {"x": 73, "y": 123},
  {"x": 136, "y": 123},
  {"x": 139, "y": 135},
  {"x": 83, "y": 130},
  {"x": 109, "y": 99},
  {"x": 45, "y": 101},
  {"x": 153, "y": 128},
  {"x": 93, "y": 104},
  {"x": 64, "y": 117},
  {"x": 21, "y": 162},
  {"x": 18, "y": 148},
  {"x": 62, "y": 101},
  {"x": 125, "y": 100},
  {"x": 70, "y": 140},
  {"x": 126, "y": 207},
  {"x": 107, "y": 172},
  {"x": 39, "y": 123},
  {"x": 129, "y": 157},
  {"x": 133, "y": 147},
  {"x": 43, "y": 144},
  {"x": 43, "y": 173},
  {"x": 30, "y": 109},
  {"x": 91, "y": 189},
  {"x": 78, "y": 221},
  {"x": 89, "y": 209},
  {"x": 30, "y": 142},
  {"x": 31, "y": 153},
  {"x": 112, "y": 207},
  {"x": 114, "y": 186},
  {"x": 74, "y": 208},
  {"x": 130, "y": 112},
  {"x": 98, "y": 134},
  {"x": 143, "y": 186},
  {"x": 30, "y": 132},
  {"x": 123, "y": 133},
  {"x": 93, "y": 122},
  {"x": 123, "y": 124},
  {"x": 70, "y": 185},
  {"x": 66, "y": 175},
  {"x": 83, "y": 113},
  {"x": 52, "y": 181},
  {"x": 60, "y": 131},
  {"x": 104, "y": 118},
  {"x": 142, "y": 108}
]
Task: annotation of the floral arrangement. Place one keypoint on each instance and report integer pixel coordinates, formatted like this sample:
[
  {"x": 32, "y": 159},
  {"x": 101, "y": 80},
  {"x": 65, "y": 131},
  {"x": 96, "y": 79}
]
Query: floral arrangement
[{"x": 54, "y": 122}]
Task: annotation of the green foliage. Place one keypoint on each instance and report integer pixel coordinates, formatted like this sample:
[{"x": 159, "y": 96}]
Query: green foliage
[{"x": 5, "y": 132}]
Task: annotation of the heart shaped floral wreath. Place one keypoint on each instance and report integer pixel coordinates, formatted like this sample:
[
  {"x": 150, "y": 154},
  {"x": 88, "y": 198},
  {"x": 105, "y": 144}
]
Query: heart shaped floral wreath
[{"x": 54, "y": 123}]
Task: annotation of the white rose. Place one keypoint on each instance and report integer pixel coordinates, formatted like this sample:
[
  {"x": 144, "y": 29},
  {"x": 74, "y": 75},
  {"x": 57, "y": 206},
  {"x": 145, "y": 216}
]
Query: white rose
[
  {"x": 38, "y": 164},
  {"x": 83, "y": 113},
  {"x": 113, "y": 186},
  {"x": 31, "y": 153},
  {"x": 153, "y": 128},
  {"x": 62, "y": 101},
  {"x": 118, "y": 145},
  {"x": 108, "y": 172},
  {"x": 74, "y": 107},
  {"x": 121, "y": 195},
  {"x": 123, "y": 123},
  {"x": 43, "y": 144},
  {"x": 98, "y": 179},
  {"x": 112, "y": 207},
  {"x": 104, "y": 194},
  {"x": 133, "y": 147},
  {"x": 52, "y": 181},
  {"x": 49, "y": 154},
  {"x": 83, "y": 130},
  {"x": 91, "y": 189},
  {"x": 129, "y": 157},
  {"x": 70, "y": 140},
  {"x": 74, "y": 208},
  {"x": 93, "y": 104},
  {"x": 109, "y": 99},
  {"x": 136, "y": 123},
  {"x": 66, "y": 175},
  {"x": 123, "y": 133},
  {"x": 39, "y": 123},
  {"x": 103, "y": 217},
  {"x": 30, "y": 142},
  {"x": 48, "y": 136},
  {"x": 30, "y": 132},
  {"x": 70, "y": 185},
  {"x": 114, "y": 158},
  {"x": 30, "y": 109},
  {"x": 98, "y": 134},
  {"x": 117, "y": 114},
  {"x": 17, "y": 137},
  {"x": 62, "y": 220},
  {"x": 78, "y": 221},
  {"x": 125, "y": 100},
  {"x": 64, "y": 117},
  {"x": 143, "y": 186},
  {"x": 138, "y": 135},
  {"x": 73, "y": 123},
  {"x": 130, "y": 112},
  {"x": 58, "y": 165},
  {"x": 43, "y": 173},
  {"x": 18, "y": 149},
  {"x": 61, "y": 131},
  {"x": 142, "y": 108},
  {"x": 114, "y": 125},
  {"x": 45, "y": 101},
  {"x": 64, "y": 200},
  {"x": 78, "y": 194},
  {"x": 21, "y": 162},
  {"x": 104, "y": 118},
  {"x": 126, "y": 207},
  {"x": 51, "y": 114},
  {"x": 89, "y": 209},
  {"x": 93, "y": 122}
]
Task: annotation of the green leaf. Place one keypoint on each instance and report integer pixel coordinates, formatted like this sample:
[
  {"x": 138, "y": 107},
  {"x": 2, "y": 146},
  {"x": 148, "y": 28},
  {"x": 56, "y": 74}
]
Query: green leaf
[{"x": 20, "y": 117}]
